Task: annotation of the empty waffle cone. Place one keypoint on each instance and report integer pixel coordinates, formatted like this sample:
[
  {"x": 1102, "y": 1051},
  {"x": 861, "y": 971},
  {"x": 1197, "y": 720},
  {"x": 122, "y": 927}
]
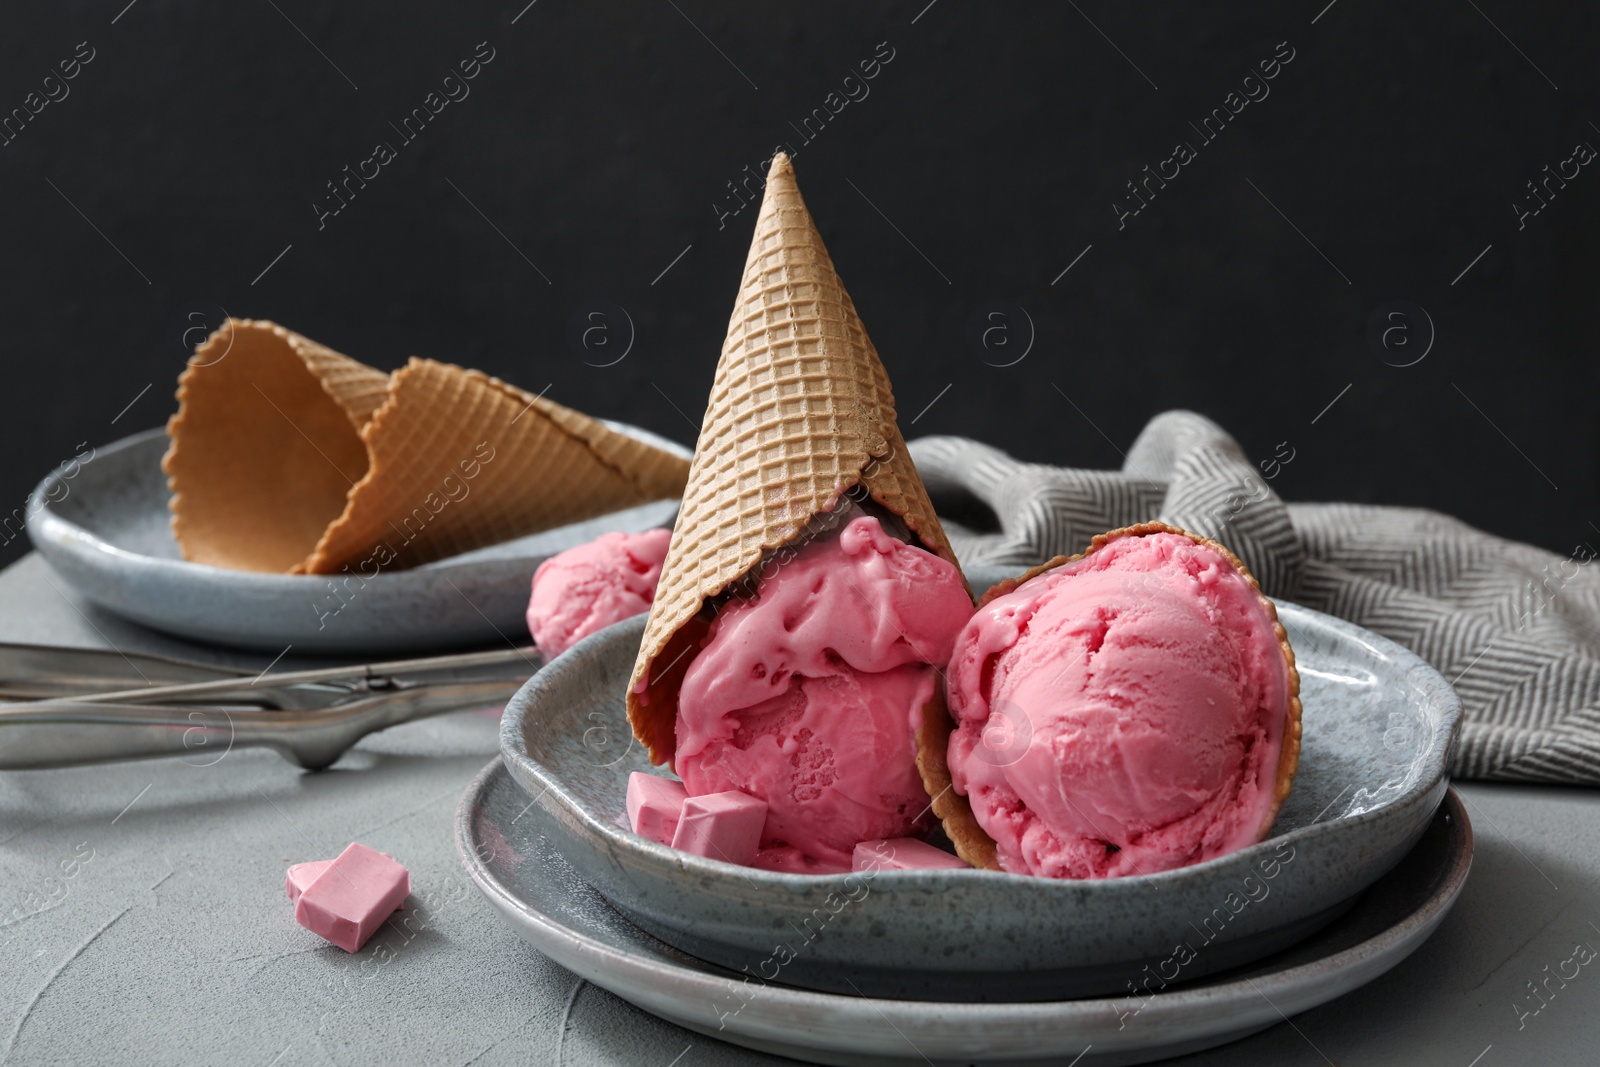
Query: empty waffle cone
[
  {"x": 287, "y": 456},
  {"x": 265, "y": 445},
  {"x": 459, "y": 460},
  {"x": 800, "y": 415},
  {"x": 933, "y": 740}
]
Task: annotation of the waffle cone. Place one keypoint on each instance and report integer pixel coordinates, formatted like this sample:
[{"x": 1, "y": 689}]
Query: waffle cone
[
  {"x": 961, "y": 826},
  {"x": 459, "y": 460},
  {"x": 951, "y": 808},
  {"x": 800, "y": 415},
  {"x": 287, "y": 456},
  {"x": 265, "y": 445}
]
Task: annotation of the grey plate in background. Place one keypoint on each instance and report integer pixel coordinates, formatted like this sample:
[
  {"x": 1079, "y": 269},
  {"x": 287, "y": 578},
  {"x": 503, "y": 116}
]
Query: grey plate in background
[
  {"x": 1379, "y": 725},
  {"x": 545, "y": 900},
  {"x": 109, "y": 534}
]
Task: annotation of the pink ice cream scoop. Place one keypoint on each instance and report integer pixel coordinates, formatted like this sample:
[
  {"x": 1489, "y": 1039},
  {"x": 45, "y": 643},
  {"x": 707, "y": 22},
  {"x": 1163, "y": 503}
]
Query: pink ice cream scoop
[
  {"x": 808, "y": 695},
  {"x": 585, "y": 589},
  {"x": 1124, "y": 713}
]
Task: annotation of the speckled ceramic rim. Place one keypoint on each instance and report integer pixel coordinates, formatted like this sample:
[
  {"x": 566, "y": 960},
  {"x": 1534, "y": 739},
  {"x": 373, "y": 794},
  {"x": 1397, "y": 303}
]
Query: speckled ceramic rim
[
  {"x": 672, "y": 990},
  {"x": 514, "y": 747}
]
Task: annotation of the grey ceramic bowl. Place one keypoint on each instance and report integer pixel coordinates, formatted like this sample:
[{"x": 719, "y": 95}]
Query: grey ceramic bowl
[
  {"x": 106, "y": 530},
  {"x": 1379, "y": 725},
  {"x": 542, "y": 898}
]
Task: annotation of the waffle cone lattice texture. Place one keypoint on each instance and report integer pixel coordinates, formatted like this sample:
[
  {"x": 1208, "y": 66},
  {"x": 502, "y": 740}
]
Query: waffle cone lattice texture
[
  {"x": 535, "y": 465},
  {"x": 287, "y": 456},
  {"x": 800, "y": 414}
]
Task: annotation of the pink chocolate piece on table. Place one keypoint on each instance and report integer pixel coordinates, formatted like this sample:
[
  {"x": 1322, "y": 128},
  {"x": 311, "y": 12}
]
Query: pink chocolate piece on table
[
  {"x": 903, "y": 854},
  {"x": 654, "y": 805},
  {"x": 349, "y": 900},
  {"x": 302, "y": 875},
  {"x": 722, "y": 826}
]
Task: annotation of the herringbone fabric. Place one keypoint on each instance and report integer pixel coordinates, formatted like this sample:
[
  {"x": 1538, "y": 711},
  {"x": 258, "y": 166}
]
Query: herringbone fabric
[{"x": 1516, "y": 629}]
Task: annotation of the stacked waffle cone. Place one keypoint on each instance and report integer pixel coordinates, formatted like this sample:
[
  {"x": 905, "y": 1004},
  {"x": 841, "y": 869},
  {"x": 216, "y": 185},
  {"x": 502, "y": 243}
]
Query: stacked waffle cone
[
  {"x": 290, "y": 457},
  {"x": 800, "y": 417}
]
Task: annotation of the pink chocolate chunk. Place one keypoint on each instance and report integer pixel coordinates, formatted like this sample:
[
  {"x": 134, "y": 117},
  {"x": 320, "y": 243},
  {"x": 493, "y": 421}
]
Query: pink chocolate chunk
[
  {"x": 903, "y": 854},
  {"x": 347, "y": 901},
  {"x": 722, "y": 826},
  {"x": 302, "y": 875},
  {"x": 654, "y": 806}
]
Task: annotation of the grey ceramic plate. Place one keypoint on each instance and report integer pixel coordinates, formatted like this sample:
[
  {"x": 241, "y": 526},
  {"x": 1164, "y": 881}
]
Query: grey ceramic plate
[
  {"x": 106, "y": 530},
  {"x": 1379, "y": 724},
  {"x": 546, "y": 901}
]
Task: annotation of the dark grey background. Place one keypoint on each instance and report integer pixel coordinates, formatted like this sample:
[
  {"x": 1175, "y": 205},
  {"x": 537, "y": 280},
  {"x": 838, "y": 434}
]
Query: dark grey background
[{"x": 988, "y": 155}]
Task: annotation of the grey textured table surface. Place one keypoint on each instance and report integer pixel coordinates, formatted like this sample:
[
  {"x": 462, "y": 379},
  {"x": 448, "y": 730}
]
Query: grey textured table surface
[{"x": 172, "y": 941}]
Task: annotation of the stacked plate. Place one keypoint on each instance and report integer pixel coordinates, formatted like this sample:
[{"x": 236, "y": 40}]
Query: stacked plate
[
  {"x": 963, "y": 966},
  {"x": 982, "y": 965}
]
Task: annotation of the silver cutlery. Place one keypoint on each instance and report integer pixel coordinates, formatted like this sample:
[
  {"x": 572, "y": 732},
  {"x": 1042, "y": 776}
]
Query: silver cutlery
[{"x": 63, "y": 707}]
